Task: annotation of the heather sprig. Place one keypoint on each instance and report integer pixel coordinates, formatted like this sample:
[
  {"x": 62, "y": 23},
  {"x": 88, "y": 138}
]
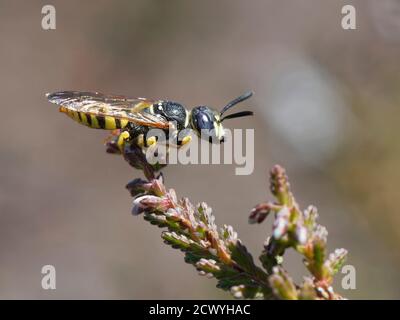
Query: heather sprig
[
  {"x": 219, "y": 253},
  {"x": 213, "y": 252},
  {"x": 298, "y": 230}
]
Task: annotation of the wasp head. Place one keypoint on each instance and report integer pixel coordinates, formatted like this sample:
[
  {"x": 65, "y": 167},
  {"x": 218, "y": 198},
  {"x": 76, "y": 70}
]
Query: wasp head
[{"x": 208, "y": 122}]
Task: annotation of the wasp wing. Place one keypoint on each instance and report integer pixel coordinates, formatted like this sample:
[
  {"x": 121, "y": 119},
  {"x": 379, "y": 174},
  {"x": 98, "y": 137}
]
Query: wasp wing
[{"x": 121, "y": 107}]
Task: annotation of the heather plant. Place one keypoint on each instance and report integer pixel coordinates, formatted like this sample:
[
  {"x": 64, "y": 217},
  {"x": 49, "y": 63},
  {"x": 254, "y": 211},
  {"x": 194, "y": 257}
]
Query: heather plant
[{"x": 219, "y": 253}]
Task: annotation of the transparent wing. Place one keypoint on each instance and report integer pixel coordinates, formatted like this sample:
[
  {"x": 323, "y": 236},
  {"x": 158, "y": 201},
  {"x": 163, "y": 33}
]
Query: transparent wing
[{"x": 121, "y": 107}]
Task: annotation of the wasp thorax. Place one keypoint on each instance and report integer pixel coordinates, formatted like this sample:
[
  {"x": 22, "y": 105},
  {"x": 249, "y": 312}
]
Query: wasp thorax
[
  {"x": 206, "y": 123},
  {"x": 172, "y": 111}
]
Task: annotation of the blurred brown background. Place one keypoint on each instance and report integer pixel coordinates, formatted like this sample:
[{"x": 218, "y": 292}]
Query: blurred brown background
[{"x": 327, "y": 103}]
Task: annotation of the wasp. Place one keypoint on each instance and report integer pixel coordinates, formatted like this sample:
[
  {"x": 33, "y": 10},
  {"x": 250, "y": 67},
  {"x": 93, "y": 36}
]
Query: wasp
[{"x": 130, "y": 119}]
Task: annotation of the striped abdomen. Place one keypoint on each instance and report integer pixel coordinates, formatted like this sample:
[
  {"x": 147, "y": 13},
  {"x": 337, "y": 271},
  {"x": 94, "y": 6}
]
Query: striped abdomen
[{"x": 95, "y": 121}]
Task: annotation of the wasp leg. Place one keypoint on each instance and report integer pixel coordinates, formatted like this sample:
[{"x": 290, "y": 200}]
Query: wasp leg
[
  {"x": 112, "y": 135},
  {"x": 186, "y": 140},
  {"x": 139, "y": 140},
  {"x": 122, "y": 138},
  {"x": 143, "y": 142},
  {"x": 150, "y": 141}
]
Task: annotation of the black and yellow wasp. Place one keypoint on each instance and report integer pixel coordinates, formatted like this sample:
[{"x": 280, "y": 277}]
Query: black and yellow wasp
[{"x": 132, "y": 118}]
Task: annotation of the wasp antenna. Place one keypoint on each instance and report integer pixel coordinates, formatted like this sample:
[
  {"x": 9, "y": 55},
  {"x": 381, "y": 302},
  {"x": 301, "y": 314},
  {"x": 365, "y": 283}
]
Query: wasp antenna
[
  {"x": 238, "y": 115},
  {"x": 243, "y": 97}
]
